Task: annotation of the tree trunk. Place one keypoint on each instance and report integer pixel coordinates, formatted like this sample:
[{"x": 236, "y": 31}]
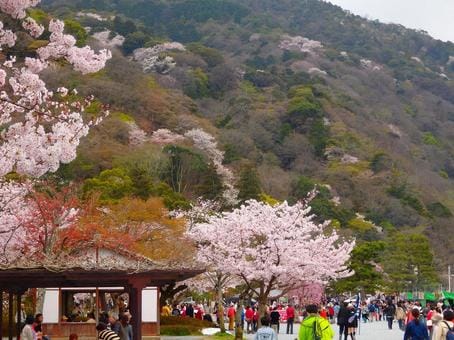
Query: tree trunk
[
  {"x": 220, "y": 304},
  {"x": 262, "y": 300},
  {"x": 238, "y": 321},
  {"x": 169, "y": 291}
]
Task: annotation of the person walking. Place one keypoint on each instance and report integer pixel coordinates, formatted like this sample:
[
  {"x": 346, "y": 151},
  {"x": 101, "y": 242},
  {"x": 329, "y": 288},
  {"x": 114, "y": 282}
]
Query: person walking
[
  {"x": 436, "y": 318},
  {"x": 231, "y": 316},
  {"x": 290, "y": 313},
  {"x": 265, "y": 332},
  {"x": 416, "y": 330},
  {"x": 342, "y": 321},
  {"x": 275, "y": 318},
  {"x": 443, "y": 327},
  {"x": 314, "y": 326},
  {"x": 255, "y": 319},
  {"x": 352, "y": 322},
  {"x": 249, "y": 314},
  {"x": 400, "y": 315},
  {"x": 389, "y": 313}
]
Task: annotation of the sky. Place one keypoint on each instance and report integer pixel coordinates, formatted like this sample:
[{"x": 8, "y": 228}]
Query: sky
[{"x": 434, "y": 16}]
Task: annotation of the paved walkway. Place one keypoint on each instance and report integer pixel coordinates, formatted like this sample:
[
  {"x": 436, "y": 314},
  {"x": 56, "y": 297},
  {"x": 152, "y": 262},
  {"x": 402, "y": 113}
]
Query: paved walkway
[{"x": 368, "y": 331}]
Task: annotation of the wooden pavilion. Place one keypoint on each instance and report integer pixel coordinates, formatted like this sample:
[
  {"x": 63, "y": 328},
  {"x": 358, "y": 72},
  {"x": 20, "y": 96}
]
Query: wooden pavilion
[{"x": 101, "y": 268}]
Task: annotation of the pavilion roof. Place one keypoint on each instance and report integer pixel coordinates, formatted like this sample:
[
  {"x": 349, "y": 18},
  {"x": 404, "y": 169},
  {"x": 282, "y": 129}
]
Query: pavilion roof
[{"x": 94, "y": 267}]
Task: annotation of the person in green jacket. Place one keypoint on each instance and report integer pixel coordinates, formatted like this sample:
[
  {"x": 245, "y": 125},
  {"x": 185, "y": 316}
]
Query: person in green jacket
[{"x": 315, "y": 327}]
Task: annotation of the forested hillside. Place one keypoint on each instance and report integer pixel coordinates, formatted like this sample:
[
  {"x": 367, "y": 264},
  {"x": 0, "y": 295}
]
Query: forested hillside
[{"x": 298, "y": 95}]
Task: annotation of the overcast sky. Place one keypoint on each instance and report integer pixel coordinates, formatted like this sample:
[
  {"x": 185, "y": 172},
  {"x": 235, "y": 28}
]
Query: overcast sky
[{"x": 434, "y": 16}]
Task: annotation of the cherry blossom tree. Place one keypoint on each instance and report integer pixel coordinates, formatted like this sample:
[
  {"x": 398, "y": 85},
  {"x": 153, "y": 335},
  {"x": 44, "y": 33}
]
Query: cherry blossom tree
[
  {"x": 39, "y": 128},
  {"x": 271, "y": 247},
  {"x": 208, "y": 144},
  {"x": 307, "y": 293},
  {"x": 13, "y": 210}
]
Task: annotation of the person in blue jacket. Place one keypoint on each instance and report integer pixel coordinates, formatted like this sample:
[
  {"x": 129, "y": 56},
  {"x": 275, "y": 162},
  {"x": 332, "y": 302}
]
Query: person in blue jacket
[{"x": 416, "y": 330}]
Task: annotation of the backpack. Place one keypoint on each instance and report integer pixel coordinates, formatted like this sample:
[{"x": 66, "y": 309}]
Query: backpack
[
  {"x": 450, "y": 334},
  {"x": 316, "y": 331}
]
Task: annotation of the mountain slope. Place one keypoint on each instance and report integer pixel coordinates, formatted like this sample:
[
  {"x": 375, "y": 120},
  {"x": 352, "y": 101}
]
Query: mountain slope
[{"x": 301, "y": 91}]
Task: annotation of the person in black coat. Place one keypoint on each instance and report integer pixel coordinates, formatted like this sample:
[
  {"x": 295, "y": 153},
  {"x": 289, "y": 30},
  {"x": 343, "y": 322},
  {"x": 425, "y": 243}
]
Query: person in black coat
[
  {"x": 190, "y": 310},
  {"x": 342, "y": 320},
  {"x": 352, "y": 322},
  {"x": 389, "y": 312}
]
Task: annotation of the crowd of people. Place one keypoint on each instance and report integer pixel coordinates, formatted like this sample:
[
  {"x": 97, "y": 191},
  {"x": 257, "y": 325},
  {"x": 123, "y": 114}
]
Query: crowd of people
[
  {"x": 435, "y": 321},
  {"x": 108, "y": 327}
]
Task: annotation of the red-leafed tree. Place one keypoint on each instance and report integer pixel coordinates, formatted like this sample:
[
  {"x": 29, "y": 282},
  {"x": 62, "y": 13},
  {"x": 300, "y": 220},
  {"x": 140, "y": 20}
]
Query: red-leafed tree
[{"x": 52, "y": 214}]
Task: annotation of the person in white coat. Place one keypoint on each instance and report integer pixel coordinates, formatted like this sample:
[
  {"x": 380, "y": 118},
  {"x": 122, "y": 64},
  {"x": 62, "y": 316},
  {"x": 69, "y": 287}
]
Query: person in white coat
[
  {"x": 28, "y": 333},
  {"x": 442, "y": 327}
]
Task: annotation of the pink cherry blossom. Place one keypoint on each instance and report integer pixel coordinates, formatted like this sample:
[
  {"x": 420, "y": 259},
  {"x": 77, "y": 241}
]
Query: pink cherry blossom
[
  {"x": 32, "y": 27},
  {"x": 271, "y": 247},
  {"x": 45, "y": 130},
  {"x": 16, "y": 8}
]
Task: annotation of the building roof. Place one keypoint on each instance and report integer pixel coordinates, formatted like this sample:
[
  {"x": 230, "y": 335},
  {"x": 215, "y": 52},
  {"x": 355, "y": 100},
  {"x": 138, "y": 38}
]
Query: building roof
[{"x": 93, "y": 267}]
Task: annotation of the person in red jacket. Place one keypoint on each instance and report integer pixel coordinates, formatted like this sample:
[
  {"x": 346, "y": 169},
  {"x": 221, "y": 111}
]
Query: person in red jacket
[
  {"x": 255, "y": 319},
  {"x": 290, "y": 312},
  {"x": 324, "y": 313},
  {"x": 249, "y": 316},
  {"x": 231, "y": 316}
]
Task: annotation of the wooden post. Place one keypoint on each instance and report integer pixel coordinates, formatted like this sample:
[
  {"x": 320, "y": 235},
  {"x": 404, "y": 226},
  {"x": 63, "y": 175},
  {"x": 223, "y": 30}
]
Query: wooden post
[
  {"x": 135, "y": 287},
  {"x": 10, "y": 315},
  {"x": 158, "y": 313},
  {"x": 136, "y": 311},
  {"x": 19, "y": 316}
]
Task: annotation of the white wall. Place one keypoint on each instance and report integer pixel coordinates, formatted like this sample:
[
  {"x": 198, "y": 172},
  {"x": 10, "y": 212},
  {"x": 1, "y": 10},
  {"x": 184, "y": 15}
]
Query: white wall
[
  {"x": 51, "y": 305},
  {"x": 150, "y": 304}
]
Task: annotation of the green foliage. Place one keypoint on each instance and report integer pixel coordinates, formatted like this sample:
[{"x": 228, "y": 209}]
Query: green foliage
[
  {"x": 188, "y": 172},
  {"x": 319, "y": 136},
  {"x": 112, "y": 185},
  {"x": 304, "y": 185},
  {"x": 268, "y": 199},
  {"x": 95, "y": 108},
  {"x": 302, "y": 105},
  {"x": 180, "y": 326},
  {"x": 259, "y": 78},
  {"x": 74, "y": 28},
  {"x": 210, "y": 55},
  {"x": 178, "y": 331},
  {"x": 249, "y": 184},
  {"x": 364, "y": 260},
  {"x": 409, "y": 263},
  {"x": 134, "y": 40},
  {"x": 360, "y": 225},
  {"x": 380, "y": 162},
  {"x": 438, "y": 209},
  {"x": 124, "y": 26},
  {"x": 38, "y": 15},
  {"x": 429, "y": 139},
  {"x": 197, "y": 84},
  {"x": 124, "y": 117},
  {"x": 401, "y": 192},
  {"x": 172, "y": 200}
]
